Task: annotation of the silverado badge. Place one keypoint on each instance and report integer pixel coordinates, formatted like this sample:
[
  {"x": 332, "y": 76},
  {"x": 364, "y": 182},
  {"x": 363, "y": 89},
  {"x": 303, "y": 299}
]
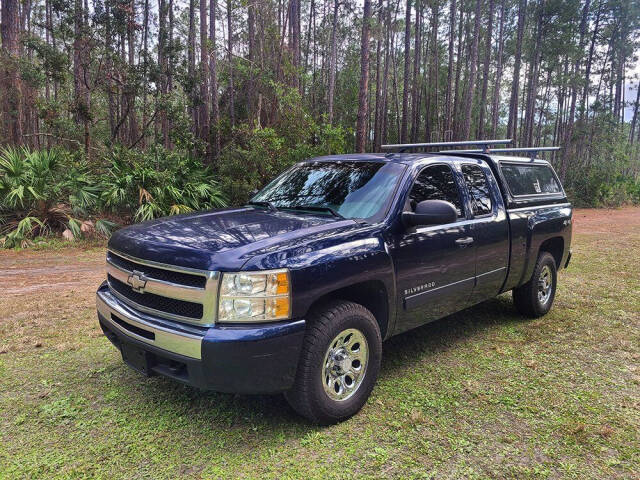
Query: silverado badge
[{"x": 138, "y": 281}]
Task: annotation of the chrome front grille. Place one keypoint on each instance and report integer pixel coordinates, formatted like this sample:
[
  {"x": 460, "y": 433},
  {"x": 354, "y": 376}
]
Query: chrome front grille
[
  {"x": 169, "y": 276},
  {"x": 176, "y": 293}
]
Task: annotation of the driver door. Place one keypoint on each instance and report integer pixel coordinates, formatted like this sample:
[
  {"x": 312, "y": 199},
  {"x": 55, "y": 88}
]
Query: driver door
[{"x": 435, "y": 264}]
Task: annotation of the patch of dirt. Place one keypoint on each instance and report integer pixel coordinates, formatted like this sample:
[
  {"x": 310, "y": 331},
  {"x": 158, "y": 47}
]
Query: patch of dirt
[
  {"x": 25, "y": 272},
  {"x": 606, "y": 220}
]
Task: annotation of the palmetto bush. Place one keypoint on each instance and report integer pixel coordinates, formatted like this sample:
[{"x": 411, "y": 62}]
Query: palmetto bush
[
  {"x": 43, "y": 191},
  {"x": 146, "y": 185},
  {"x": 50, "y": 191}
]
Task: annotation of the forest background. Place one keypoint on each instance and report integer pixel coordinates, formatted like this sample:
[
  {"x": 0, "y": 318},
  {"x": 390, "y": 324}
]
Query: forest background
[{"x": 113, "y": 111}]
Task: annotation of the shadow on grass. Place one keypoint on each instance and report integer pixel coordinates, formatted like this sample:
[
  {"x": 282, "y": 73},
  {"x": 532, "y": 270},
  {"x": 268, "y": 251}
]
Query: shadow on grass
[
  {"x": 269, "y": 413},
  {"x": 440, "y": 335}
]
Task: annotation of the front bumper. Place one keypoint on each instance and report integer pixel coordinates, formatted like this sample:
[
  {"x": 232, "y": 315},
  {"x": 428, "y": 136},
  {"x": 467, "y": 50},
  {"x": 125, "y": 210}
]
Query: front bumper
[{"x": 259, "y": 358}]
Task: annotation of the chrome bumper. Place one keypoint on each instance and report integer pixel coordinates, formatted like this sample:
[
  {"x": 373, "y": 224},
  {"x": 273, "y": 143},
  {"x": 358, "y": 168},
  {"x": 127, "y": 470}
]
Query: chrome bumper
[{"x": 145, "y": 329}]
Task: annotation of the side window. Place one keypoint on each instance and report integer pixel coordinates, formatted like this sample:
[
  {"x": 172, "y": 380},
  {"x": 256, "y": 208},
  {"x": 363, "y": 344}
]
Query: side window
[
  {"x": 436, "y": 183},
  {"x": 479, "y": 191}
]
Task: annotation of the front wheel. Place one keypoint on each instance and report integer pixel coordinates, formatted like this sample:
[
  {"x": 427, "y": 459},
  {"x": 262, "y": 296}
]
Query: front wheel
[
  {"x": 535, "y": 298},
  {"x": 339, "y": 363}
]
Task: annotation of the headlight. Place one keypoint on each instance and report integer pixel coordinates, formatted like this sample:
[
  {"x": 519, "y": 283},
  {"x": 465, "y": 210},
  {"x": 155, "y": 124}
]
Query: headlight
[{"x": 254, "y": 296}]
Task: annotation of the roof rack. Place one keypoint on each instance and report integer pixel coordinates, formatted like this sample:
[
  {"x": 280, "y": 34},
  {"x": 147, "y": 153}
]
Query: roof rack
[
  {"x": 485, "y": 144},
  {"x": 532, "y": 151}
]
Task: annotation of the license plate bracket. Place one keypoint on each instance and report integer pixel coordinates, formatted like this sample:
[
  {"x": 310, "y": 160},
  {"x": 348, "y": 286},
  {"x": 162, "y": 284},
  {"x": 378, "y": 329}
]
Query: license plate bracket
[{"x": 138, "y": 359}]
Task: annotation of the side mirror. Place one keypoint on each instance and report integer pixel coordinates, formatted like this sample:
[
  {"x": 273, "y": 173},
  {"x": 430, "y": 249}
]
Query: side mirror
[{"x": 430, "y": 212}]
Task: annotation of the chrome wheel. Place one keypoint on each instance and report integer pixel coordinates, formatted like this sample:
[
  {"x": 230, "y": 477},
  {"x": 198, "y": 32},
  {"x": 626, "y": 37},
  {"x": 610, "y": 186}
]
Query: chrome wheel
[
  {"x": 345, "y": 364},
  {"x": 545, "y": 285}
]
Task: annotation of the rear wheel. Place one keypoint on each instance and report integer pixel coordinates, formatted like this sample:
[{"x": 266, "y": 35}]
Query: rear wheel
[
  {"x": 339, "y": 363},
  {"x": 535, "y": 298}
]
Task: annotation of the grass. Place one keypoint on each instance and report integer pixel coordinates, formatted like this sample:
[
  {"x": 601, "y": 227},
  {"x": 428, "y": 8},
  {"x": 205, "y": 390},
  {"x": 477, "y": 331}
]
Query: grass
[{"x": 481, "y": 394}]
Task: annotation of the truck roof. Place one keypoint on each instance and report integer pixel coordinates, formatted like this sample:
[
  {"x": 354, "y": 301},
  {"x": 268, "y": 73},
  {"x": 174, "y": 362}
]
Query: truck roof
[{"x": 413, "y": 157}]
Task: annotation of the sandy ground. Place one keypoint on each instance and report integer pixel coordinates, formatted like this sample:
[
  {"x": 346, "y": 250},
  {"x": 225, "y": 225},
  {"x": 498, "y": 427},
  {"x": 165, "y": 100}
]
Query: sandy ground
[
  {"x": 26, "y": 272},
  {"x": 605, "y": 220}
]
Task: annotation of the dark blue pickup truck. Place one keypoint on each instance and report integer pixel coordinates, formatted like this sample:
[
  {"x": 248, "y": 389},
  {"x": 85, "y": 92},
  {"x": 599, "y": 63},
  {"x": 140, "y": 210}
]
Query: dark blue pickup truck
[{"x": 296, "y": 291}]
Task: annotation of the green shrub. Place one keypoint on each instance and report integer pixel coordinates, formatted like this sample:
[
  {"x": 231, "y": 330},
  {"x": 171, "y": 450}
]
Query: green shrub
[
  {"x": 50, "y": 191},
  {"x": 622, "y": 191},
  {"x": 256, "y": 156},
  {"x": 43, "y": 191},
  {"x": 146, "y": 185},
  {"x": 606, "y": 173}
]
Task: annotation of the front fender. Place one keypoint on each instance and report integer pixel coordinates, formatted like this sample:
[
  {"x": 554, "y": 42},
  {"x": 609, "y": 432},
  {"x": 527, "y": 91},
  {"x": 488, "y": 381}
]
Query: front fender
[{"x": 317, "y": 270}]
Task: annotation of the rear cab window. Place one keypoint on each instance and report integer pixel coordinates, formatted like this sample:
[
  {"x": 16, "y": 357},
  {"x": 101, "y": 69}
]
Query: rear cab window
[
  {"x": 530, "y": 179},
  {"x": 479, "y": 190}
]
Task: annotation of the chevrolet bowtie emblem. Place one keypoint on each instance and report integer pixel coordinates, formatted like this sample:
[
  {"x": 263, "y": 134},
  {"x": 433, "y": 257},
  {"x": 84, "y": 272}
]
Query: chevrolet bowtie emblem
[{"x": 138, "y": 281}]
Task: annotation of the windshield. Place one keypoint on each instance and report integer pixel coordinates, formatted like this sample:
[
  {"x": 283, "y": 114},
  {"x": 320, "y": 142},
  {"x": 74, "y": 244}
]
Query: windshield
[{"x": 349, "y": 189}]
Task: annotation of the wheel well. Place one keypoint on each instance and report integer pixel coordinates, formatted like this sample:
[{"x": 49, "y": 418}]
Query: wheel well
[
  {"x": 371, "y": 295},
  {"x": 555, "y": 246}
]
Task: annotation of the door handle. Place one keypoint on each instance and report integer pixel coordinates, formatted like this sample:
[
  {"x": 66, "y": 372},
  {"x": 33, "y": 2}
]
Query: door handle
[{"x": 464, "y": 242}]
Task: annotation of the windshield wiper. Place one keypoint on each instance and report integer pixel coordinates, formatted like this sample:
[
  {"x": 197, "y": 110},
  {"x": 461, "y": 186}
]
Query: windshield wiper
[
  {"x": 316, "y": 208},
  {"x": 269, "y": 205}
]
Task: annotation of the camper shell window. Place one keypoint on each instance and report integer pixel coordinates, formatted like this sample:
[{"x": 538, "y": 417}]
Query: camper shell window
[{"x": 530, "y": 179}]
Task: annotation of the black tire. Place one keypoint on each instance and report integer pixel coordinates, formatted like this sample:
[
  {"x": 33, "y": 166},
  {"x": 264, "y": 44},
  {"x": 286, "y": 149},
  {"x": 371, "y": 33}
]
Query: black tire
[
  {"x": 526, "y": 297},
  {"x": 308, "y": 396}
]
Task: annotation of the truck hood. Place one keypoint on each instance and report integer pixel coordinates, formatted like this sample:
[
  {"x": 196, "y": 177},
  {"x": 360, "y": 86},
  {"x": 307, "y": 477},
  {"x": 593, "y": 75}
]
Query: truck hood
[{"x": 222, "y": 239}]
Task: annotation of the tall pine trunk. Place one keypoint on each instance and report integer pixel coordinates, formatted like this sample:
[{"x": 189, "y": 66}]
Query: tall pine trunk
[
  {"x": 574, "y": 82},
  {"x": 512, "y": 123},
  {"x": 473, "y": 65},
  {"x": 294, "y": 21},
  {"x": 485, "y": 74},
  {"x": 634, "y": 120},
  {"x": 10, "y": 82},
  {"x": 377, "y": 117},
  {"x": 171, "y": 65},
  {"x": 82, "y": 107},
  {"x": 213, "y": 76},
  {"x": 385, "y": 82},
  {"x": 332, "y": 61},
  {"x": 231, "y": 90},
  {"x": 145, "y": 46},
  {"x": 532, "y": 90},
  {"x": 361, "y": 125},
  {"x": 407, "y": 65},
  {"x": 131, "y": 90},
  {"x": 108, "y": 45},
  {"x": 432, "y": 97},
  {"x": 163, "y": 63},
  {"x": 204, "y": 80},
  {"x": 448, "y": 108},
  {"x": 587, "y": 74},
  {"x": 415, "y": 84},
  {"x": 459, "y": 62},
  {"x": 495, "y": 112},
  {"x": 251, "y": 40},
  {"x": 191, "y": 68}
]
